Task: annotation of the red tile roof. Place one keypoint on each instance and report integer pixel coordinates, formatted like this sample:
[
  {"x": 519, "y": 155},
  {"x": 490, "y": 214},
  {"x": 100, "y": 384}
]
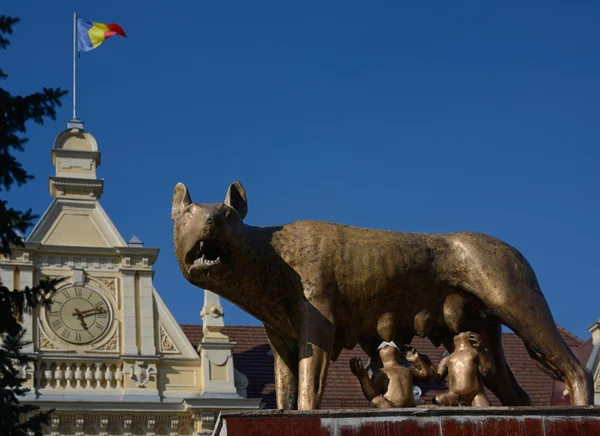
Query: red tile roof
[
  {"x": 584, "y": 351},
  {"x": 252, "y": 358}
]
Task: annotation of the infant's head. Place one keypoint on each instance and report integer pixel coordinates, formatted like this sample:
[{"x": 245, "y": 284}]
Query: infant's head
[
  {"x": 389, "y": 353},
  {"x": 467, "y": 338}
]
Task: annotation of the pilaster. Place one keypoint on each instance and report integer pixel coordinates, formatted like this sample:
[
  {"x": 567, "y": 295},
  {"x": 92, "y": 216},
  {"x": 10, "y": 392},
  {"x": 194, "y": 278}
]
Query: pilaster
[
  {"x": 130, "y": 346},
  {"x": 147, "y": 322},
  {"x": 26, "y": 279},
  {"x": 7, "y": 276}
]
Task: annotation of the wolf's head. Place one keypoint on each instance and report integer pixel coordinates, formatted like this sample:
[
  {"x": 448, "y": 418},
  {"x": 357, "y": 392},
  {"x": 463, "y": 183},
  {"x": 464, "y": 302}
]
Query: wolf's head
[{"x": 207, "y": 236}]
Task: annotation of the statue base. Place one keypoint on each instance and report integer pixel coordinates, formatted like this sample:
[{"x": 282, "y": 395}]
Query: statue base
[{"x": 526, "y": 421}]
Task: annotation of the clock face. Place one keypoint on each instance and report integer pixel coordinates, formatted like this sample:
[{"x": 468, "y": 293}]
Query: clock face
[{"x": 78, "y": 315}]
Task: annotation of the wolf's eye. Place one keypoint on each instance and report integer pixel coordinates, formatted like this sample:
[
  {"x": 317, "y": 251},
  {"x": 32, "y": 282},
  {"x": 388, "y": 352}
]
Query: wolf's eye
[{"x": 209, "y": 221}]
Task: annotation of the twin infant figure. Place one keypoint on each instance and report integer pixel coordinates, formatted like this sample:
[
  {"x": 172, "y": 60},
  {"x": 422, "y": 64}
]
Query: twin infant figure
[{"x": 392, "y": 384}]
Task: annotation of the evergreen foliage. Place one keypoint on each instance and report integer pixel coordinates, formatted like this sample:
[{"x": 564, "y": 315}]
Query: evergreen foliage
[{"x": 17, "y": 419}]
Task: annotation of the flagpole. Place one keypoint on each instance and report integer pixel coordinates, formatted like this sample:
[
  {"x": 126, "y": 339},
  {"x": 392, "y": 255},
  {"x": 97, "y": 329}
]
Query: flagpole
[{"x": 75, "y": 65}]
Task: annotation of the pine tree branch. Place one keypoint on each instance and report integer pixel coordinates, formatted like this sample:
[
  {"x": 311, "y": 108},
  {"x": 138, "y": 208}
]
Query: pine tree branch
[{"x": 16, "y": 419}]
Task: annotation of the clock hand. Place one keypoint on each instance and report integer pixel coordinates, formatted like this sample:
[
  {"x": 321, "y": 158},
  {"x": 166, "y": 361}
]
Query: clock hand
[
  {"x": 93, "y": 313},
  {"x": 79, "y": 315},
  {"x": 95, "y": 309}
]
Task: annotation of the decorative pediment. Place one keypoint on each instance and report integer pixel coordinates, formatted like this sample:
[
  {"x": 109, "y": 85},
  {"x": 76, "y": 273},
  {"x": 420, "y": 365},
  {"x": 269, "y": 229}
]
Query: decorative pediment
[
  {"x": 167, "y": 345},
  {"x": 171, "y": 338},
  {"x": 76, "y": 223}
]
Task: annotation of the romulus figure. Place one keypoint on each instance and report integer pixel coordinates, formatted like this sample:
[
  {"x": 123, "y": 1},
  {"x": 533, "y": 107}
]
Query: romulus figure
[
  {"x": 392, "y": 385},
  {"x": 465, "y": 367}
]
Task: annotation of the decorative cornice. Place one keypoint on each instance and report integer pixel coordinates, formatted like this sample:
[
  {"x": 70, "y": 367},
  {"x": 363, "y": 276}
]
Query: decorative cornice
[
  {"x": 58, "y": 186},
  {"x": 72, "y": 181}
]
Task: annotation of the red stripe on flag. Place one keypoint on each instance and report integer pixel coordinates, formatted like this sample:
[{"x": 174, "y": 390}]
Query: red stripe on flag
[{"x": 114, "y": 29}]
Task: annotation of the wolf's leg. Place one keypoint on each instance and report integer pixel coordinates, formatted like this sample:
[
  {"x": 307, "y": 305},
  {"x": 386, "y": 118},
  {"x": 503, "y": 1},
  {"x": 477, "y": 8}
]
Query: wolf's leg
[
  {"x": 480, "y": 400},
  {"x": 516, "y": 300},
  {"x": 500, "y": 277},
  {"x": 446, "y": 399},
  {"x": 286, "y": 370},
  {"x": 502, "y": 382},
  {"x": 381, "y": 403},
  {"x": 316, "y": 334}
]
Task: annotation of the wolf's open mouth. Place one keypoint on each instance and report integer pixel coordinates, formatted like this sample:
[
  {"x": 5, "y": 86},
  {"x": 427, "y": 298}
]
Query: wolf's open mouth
[{"x": 206, "y": 253}]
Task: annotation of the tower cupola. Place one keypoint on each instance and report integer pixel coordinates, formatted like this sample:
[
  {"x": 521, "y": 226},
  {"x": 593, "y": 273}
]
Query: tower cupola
[{"x": 75, "y": 156}]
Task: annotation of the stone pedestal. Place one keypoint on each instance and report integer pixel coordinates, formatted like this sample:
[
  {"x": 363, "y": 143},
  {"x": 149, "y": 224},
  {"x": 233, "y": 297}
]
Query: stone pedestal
[{"x": 497, "y": 421}]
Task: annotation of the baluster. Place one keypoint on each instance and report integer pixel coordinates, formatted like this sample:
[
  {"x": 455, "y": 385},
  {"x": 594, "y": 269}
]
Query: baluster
[
  {"x": 48, "y": 375},
  {"x": 108, "y": 376},
  {"x": 78, "y": 375},
  {"x": 174, "y": 427},
  {"x": 38, "y": 376},
  {"x": 88, "y": 376},
  {"x": 119, "y": 376},
  {"x": 98, "y": 376},
  {"x": 68, "y": 376},
  {"x": 58, "y": 375}
]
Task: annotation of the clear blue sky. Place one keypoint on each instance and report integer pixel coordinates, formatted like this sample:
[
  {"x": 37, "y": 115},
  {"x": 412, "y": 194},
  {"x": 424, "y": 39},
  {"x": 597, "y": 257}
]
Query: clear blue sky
[{"x": 415, "y": 116}]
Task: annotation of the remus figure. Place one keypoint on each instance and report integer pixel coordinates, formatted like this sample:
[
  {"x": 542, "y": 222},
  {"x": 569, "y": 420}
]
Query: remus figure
[
  {"x": 392, "y": 385},
  {"x": 465, "y": 367}
]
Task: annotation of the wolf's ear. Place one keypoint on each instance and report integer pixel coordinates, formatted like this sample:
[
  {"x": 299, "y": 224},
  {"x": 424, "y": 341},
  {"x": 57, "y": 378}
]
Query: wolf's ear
[
  {"x": 236, "y": 199},
  {"x": 181, "y": 199}
]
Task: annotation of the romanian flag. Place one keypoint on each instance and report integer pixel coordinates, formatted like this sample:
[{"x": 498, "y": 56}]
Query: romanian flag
[{"x": 90, "y": 35}]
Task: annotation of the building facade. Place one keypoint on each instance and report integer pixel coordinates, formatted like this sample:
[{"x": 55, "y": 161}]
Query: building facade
[
  {"x": 593, "y": 361},
  {"x": 107, "y": 354}
]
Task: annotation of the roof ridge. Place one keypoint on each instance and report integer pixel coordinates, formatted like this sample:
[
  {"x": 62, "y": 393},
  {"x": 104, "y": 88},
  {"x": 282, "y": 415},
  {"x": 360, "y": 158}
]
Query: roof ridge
[{"x": 564, "y": 330}]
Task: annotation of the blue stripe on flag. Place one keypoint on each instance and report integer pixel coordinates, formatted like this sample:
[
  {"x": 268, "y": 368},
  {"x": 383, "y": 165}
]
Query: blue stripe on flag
[{"x": 83, "y": 37}]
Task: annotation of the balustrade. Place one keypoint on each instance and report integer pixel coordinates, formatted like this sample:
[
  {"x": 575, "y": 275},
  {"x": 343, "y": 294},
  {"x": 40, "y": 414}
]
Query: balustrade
[{"x": 78, "y": 375}]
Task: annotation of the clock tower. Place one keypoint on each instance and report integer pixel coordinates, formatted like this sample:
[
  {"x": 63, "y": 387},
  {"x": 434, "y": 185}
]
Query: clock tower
[{"x": 107, "y": 354}]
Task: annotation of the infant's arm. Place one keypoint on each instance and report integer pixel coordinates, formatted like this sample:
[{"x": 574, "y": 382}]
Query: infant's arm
[
  {"x": 423, "y": 368},
  {"x": 442, "y": 369},
  {"x": 486, "y": 362}
]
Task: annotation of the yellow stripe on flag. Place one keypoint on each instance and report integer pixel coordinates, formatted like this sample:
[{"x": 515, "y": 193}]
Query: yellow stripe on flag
[{"x": 96, "y": 33}]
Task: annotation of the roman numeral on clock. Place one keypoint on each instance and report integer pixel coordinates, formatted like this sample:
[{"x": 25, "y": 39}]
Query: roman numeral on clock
[
  {"x": 78, "y": 292},
  {"x": 66, "y": 333},
  {"x": 56, "y": 324},
  {"x": 99, "y": 326},
  {"x": 78, "y": 336}
]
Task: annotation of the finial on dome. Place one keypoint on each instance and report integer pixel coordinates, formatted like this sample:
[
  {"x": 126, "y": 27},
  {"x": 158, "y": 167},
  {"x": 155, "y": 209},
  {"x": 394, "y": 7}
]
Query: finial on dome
[{"x": 75, "y": 123}]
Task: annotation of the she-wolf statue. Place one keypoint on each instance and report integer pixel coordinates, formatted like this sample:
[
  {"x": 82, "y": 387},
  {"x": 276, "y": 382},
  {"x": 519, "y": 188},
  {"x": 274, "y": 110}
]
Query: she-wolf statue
[{"x": 325, "y": 286}]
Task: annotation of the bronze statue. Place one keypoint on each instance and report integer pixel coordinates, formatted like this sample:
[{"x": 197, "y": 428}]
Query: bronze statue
[
  {"x": 465, "y": 368},
  {"x": 326, "y": 287},
  {"x": 392, "y": 385}
]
